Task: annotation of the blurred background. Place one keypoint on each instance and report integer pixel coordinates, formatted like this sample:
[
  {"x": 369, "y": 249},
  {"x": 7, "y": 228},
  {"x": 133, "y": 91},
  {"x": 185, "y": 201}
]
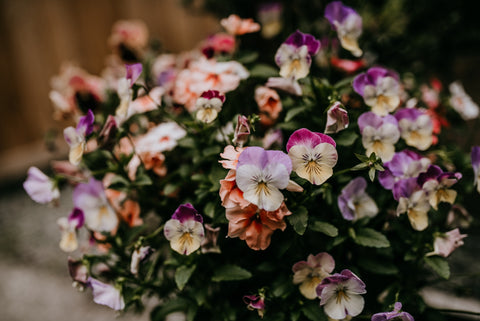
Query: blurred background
[{"x": 434, "y": 38}]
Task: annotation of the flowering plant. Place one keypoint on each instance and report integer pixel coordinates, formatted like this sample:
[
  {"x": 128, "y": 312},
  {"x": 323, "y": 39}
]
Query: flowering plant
[{"x": 315, "y": 185}]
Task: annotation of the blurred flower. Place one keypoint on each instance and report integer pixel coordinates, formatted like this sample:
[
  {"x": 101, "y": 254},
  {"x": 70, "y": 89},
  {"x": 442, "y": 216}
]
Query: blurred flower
[
  {"x": 129, "y": 39},
  {"x": 219, "y": 43},
  {"x": 78, "y": 272},
  {"x": 354, "y": 203},
  {"x": 462, "y": 102},
  {"x": 237, "y": 26},
  {"x": 340, "y": 294},
  {"x": 261, "y": 174},
  {"x": 348, "y": 24},
  {"x": 208, "y": 106},
  {"x": 272, "y": 137},
  {"x": 313, "y": 155},
  {"x": 458, "y": 216},
  {"x": 106, "y": 294},
  {"x": 133, "y": 73},
  {"x": 160, "y": 138},
  {"x": 416, "y": 127},
  {"x": 289, "y": 85},
  {"x": 255, "y": 302},
  {"x": 76, "y": 137},
  {"x": 414, "y": 201},
  {"x": 436, "y": 184},
  {"x": 309, "y": 274},
  {"x": 106, "y": 137},
  {"x": 379, "y": 134},
  {"x": 446, "y": 243},
  {"x": 337, "y": 119},
  {"x": 394, "y": 315},
  {"x": 346, "y": 65},
  {"x": 475, "y": 159},
  {"x": 269, "y": 104},
  {"x": 185, "y": 230},
  {"x": 209, "y": 244},
  {"x": 379, "y": 88},
  {"x": 41, "y": 188},
  {"x": 128, "y": 209},
  {"x": 138, "y": 255},
  {"x": 69, "y": 227},
  {"x": 270, "y": 17},
  {"x": 242, "y": 131}
]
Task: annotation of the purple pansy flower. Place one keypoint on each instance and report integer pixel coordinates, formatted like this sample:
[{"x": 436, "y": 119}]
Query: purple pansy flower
[
  {"x": 379, "y": 134},
  {"x": 413, "y": 200},
  {"x": 380, "y": 89},
  {"x": 337, "y": 119},
  {"x": 436, "y": 184},
  {"x": 394, "y": 315},
  {"x": 354, "y": 203},
  {"x": 91, "y": 199},
  {"x": 41, "y": 188},
  {"x": 294, "y": 56},
  {"x": 261, "y": 174},
  {"x": 76, "y": 137},
  {"x": 475, "y": 158},
  {"x": 310, "y": 273},
  {"x": 208, "y": 105},
  {"x": 340, "y": 295},
  {"x": 313, "y": 155},
  {"x": 255, "y": 302},
  {"x": 348, "y": 24},
  {"x": 106, "y": 294},
  {"x": 185, "y": 229},
  {"x": 416, "y": 127}
]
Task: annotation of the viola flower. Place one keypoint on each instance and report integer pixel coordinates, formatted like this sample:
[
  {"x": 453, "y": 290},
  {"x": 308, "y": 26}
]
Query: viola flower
[
  {"x": 458, "y": 216},
  {"x": 69, "y": 227},
  {"x": 128, "y": 39},
  {"x": 161, "y": 138},
  {"x": 337, "y": 119},
  {"x": 91, "y": 199},
  {"x": 255, "y": 225},
  {"x": 125, "y": 92},
  {"x": 462, "y": 102},
  {"x": 237, "y": 26},
  {"x": 436, "y": 184},
  {"x": 106, "y": 294},
  {"x": 242, "y": 131},
  {"x": 270, "y": 17},
  {"x": 414, "y": 201},
  {"x": 348, "y": 24},
  {"x": 185, "y": 230},
  {"x": 379, "y": 134},
  {"x": 354, "y": 203},
  {"x": 340, "y": 294},
  {"x": 294, "y": 56},
  {"x": 78, "y": 272},
  {"x": 138, "y": 255},
  {"x": 380, "y": 89},
  {"x": 309, "y": 274},
  {"x": 446, "y": 243},
  {"x": 219, "y": 43},
  {"x": 272, "y": 137},
  {"x": 76, "y": 137},
  {"x": 208, "y": 105},
  {"x": 127, "y": 209},
  {"x": 475, "y": 158},
  {"x": 261, "y": 175},
  {"x": 313, "y": 155},
  {"x": 289, "y": 85},
  {"x": 394, "y": 315},
  {"x": 416, "y": 127},
  {"x": 230, "y": 156},
  {"x": 269, "y": 103},
  {"x": 255, "y": 302},
  {"x": 41, "y": 188},
  {"x": 230, "y": 194}
]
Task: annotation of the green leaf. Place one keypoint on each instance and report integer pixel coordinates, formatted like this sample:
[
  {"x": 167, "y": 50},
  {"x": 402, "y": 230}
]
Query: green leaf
[
  {"x": 187, "y": 142},
  {"x": 371, "y": 238},
  {"x": 314, "y": 312},
  {"x": 346, "y": 138},
  {"x": 183, "y": 274},
  {"x": 325, "y": 228},
  {"x": 230, "y": 272},
  {"x": 248, "y": 57},
  {"x": 213, "y": 150},
  {"x": 439, "y": 265},
  {"x": 379, "y": 267},
  {"x": 209, "y": 209},
  {"x": 169, "y": 306},
  {"x": 343, "y": 82},
  {"x": 169, "y": 189},
  {"x": 143, "y": 179},
  {"x": 294, "y": 112},
  {"x": 299, "y": 220},
  {"x": 118, "y": 182},
  {"x": 263, "y": 71}
]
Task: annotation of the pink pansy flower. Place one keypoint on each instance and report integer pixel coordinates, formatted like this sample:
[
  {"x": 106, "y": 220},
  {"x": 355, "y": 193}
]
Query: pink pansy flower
[
  {"x": 414, "y": 201},
  {"x": 337, "y": 119},
  {"x": 128, "y": 39},
  {"x": 237, "y": 26},
  {"x": 270, "y": 17},
  {"x": 230, "y": 194},
  {"x": 294, "y": 56},
  {"x": 230, "y": 156},
  {"x": 255, "y": 225},
  {"x": 208, "y": 105},
  {"x": 185, "y": 230},
  {"x": 380, "y": 89},
  {"x": 462, "y": 102},
  {"x": 242, "y": 131},
  {"x": 69, "y": 226},
  {"x": 354, "y": 202},
  {"x": 261, "y": 175},
  {"x": 348, "y": 24},
  {"x": 340, "y": 295},
  {"x": 269, "y": 104},
  {"x": 348, "y": 66},
  {"x": 138, "y": 255},
  {"x": 475, "y": 160},
  {"x": 76, "y": 137},
  {"x": 416, "y": 127},
  {"x": 91, "y": 199},
  {"x": 310, "y": 273},
  {"x": 255, "y": 302},
  {"x": 313, "y": 155},
  {"x": 379, "y": 134},
  {"x": 160, "y": 138},
  {"x": 445, "y": 244},
  {"x": 219, "y": 43},
  {"x": 41, "y": 188},
  {"x": 394, "y": 315},
  {"x": 437, "y": 183},
  {"x": 106, "y": 294}
]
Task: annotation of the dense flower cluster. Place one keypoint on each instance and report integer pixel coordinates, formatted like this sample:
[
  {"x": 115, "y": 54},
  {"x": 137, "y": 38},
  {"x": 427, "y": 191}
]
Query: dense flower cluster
[{"x": 205, "y": 178}]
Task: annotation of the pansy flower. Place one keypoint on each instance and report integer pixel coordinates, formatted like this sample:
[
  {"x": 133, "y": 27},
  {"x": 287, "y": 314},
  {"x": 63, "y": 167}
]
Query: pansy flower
[
  {"x": 340, "y": 295},
  {"x": 124, "y": 89},
  {"x": 185, "y": 230},
  {"x": 269, "y": 104},
  {"x": 242, "y": 131},
  {"x": 413, "y": 200},
  {"x": 237, "y": 26},
  {"x": 294, "y": 56},
  {"x": 106, "y": 294},
  {"x": 261, "y": 175},
  {"x": 69, "y": 226},
  {"x": 354, "y": 202},
  {"x": 446, "y": 243},
  {"x": 462, "y": 102},
  {"x": 76, "y": 137},
  {"x": 289, "y": 85},
  {"x": 379, "y": 88},
  {"x": 348, "y": 24},
  {"x": 255, "y": 302},
  {"x": 255, "y": 225},
  {"x": 416, "y": 127},
  {"x": 208, "y": 105},
  {"x": 437, "y": 185},
  {"x": 128, "y": 39},
  {"x": 161, "y": 138},
  {"x": 313, "y": 155},
  {"x": 310, "y": 273},
  {"x": 91, "y": 199},
  {"x": 139, "y": 254},
  {"x": 475, "y": 158},
  {"x": 396, "y": 314},
  {"x": 270, "y": 17},
  {"x": 379, "y": 134},
  {"x": 41, "y": 188},
  {"x": 337, "y": 119}
]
